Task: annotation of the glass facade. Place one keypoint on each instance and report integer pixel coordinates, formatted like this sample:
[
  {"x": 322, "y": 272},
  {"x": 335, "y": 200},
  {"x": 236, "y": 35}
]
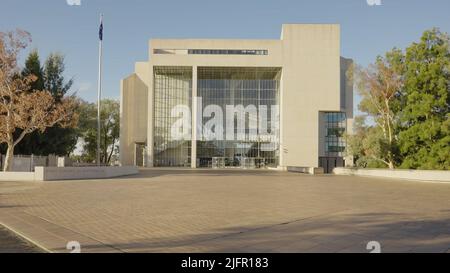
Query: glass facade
[
  {"x": 253, "y": 89},
  {"x": 172, "y": 87},
  {"x": 251, "y": 95},
  {"x": 336, "y": 126}
]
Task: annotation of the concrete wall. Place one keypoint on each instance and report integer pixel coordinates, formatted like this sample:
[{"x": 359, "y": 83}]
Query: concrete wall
[
  {"x": 133, "y": 116},
  {"x": 17, "y": 176},
  {"x": 74, "y": 173},
  {"x": 273, "y": 59},
  {"x": 307, "y": 170},
  {"x": 347, "y": 88},
  {"x": 68, "y": 173},
  {"x": 437, "y": 176},
  {"x": 310, "y": 84}
]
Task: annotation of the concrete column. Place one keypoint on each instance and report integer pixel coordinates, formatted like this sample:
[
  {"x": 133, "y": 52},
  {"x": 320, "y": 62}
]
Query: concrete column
[
  {"x": 194, "y": 118},
  {"x": 281, "y": 123},
  {"x": 150, "y": 122}
]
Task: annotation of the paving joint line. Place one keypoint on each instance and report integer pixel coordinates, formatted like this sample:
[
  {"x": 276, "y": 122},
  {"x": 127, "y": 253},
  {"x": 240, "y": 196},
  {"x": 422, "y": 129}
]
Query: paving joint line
[
  {"x": 84, "y": 235},
  {"x": 26, "y": 238}
]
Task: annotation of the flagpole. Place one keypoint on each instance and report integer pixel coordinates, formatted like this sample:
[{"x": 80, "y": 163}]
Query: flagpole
[{"x": 99, "y": 91}]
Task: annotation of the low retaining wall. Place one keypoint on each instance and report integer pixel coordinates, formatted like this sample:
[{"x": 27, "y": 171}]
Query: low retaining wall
[
  {"x": 419, "y": 175},
  {"x": 308, "y": 170},
  {"x": 68, "y": 173},
  {"x": 16, "y": 176}
]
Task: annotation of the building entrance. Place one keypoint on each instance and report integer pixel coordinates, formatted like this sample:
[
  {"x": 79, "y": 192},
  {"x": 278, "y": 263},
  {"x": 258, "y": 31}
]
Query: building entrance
[{"x": 329, "y": 163}]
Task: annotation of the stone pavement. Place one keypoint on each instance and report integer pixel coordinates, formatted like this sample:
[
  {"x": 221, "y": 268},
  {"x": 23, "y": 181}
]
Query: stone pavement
[
  {"x": 178, "y": 210},
  {"x": 11, "y": 243}
]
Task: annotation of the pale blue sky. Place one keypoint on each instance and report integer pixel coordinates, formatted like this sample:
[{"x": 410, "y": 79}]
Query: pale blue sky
[{"x": 367, "y": 31}]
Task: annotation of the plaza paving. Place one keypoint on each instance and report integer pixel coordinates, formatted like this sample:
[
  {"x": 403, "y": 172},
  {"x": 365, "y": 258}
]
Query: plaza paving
[
  {"x": 164, "y": 210},
  {"x": 11, "y": 243}
]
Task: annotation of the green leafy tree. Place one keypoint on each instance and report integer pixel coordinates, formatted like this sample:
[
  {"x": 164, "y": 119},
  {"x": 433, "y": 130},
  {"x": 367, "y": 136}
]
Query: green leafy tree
[
  {"x": 54, "y": 79},
  {"x": 366, "y": 144},
  {"x": 57, "y": 140},
  {"x": 425, "y": 136},
  {"x": 109, "y": 133},
  {"x": 33, "y": 67},
  {"x": 411, "y": 127}
]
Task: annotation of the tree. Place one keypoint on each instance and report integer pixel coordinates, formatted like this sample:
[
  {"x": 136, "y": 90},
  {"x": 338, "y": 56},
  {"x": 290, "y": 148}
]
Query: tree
[
  {"x": 366, "y": 144},
  {"x": 407, "y": 95},
  {"x": 109, "y": 133},
  {"x": 33, "y": 67},
  {"x": 19, "y": 108},
  {"x": 380, "y": 87},
  {"x": 55, "y": 140},
  {"x": 31, "y": 143},
  {"x": 54, "y": 80},
  {"x": 425, "y": 136}
]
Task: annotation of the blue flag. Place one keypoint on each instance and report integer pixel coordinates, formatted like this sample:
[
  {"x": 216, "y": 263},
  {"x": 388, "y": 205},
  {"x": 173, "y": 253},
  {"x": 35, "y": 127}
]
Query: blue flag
[{"x": 100, "y": 32}]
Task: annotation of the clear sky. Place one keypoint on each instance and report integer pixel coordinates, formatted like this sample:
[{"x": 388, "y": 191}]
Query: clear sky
[{"x": 367, "y": 31}]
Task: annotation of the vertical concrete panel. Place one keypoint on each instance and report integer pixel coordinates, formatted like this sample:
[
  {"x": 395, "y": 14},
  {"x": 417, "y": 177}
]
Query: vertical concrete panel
[
  {"x": 133, "y": 115},
  {"x": 311, "y": 83},
  {"x": 125, "y": 86},
  {"x": 347, "y": 85}
]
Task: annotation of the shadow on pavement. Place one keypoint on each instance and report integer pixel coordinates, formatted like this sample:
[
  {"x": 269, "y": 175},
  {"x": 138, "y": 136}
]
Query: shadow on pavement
[{"x": 336, "y": 233}]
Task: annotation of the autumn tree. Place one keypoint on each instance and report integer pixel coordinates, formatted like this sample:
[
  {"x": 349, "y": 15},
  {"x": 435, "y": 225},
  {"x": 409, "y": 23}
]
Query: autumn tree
[
  {"x": 19, "y": 108},
  {"x": 50, "y": 76}
]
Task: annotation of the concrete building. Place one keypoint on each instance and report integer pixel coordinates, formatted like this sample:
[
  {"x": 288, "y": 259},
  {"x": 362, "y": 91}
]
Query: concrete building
[{"x": 296, "y": 85}]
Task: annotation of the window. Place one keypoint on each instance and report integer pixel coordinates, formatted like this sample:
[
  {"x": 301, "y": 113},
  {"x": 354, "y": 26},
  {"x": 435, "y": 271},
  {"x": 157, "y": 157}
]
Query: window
[
  {"x": 210, "y": 51},
  {"x": 227, "y": 52},
  {"x": 336, "y": 126},
  {"x": 170, "y": 51},
  {"x": 244, "y": 86},
  {"x": 172, "y": 86}
]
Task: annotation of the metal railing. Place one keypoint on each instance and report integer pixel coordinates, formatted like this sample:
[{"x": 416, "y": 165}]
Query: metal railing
[{"x": 27, "y": 163}]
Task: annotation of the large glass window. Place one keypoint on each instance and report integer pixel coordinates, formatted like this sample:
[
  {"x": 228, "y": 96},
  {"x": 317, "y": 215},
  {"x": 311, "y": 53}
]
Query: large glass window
[
  {"x": 336, "y": 126},
  {"x": 172, "y": 87},
  {"x": 251, "y": 88}
]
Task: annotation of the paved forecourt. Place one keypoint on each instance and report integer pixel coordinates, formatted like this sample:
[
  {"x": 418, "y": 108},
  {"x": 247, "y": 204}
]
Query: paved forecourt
[
  {"x": 12, "y": 243},
  {"x": 163, "y": 210}
]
